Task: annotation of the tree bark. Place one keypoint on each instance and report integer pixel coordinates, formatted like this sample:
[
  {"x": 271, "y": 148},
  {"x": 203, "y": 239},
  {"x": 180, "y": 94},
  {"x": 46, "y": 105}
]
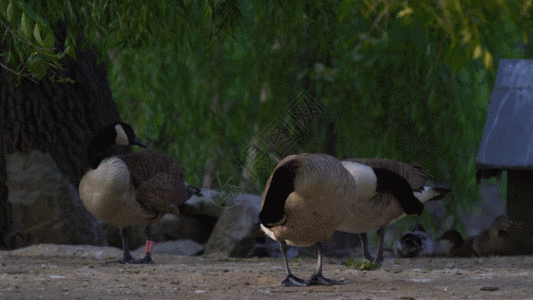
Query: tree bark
[
  {"x": 6, "y": 232},
  {"x": 54, "y": 117}
]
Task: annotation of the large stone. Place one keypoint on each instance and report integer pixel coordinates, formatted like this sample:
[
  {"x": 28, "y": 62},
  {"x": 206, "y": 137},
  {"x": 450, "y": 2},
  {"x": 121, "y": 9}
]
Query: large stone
[
  {"x": 46, "y": 206},
  {"x": 179, "y": 247},
  {"x": 89, "y": 251},
  {"x": 233, "y": 233},
  {"x": 208, "y": 205},
  {"x": 184, "y": 227},
  {"x": 341, "y": 244}
]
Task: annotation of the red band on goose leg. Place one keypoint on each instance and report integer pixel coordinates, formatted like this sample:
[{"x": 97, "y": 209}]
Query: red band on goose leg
[{"x": 149, "y": 246}]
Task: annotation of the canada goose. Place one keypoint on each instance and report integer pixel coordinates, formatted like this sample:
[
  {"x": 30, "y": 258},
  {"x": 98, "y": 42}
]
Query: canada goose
[
  {"x": 388, "y": 190},
  {"x": 305, "y": 199},
  {"x": 416, "y": 243},
  {"x": 134, "y": 189},
  {"x": 493, "y": 241}
]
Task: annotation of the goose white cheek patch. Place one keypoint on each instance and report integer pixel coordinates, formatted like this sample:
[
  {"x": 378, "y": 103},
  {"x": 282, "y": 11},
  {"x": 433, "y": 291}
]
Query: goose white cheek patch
[
  {"x": 122, "y": 137},
  {"x": 149, "y": 246}
]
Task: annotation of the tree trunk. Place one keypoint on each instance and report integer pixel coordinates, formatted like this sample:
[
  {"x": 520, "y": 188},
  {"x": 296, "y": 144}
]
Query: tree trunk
[
  {"x": 56, "y": 119},
  {"x": 6, "y": 230}
]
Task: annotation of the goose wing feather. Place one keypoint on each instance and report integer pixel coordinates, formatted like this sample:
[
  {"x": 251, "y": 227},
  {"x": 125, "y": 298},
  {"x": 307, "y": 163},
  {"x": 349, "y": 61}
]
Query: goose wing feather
[
  {"x": 158, "y": 180},
  {"x": 415, "y": 174}
]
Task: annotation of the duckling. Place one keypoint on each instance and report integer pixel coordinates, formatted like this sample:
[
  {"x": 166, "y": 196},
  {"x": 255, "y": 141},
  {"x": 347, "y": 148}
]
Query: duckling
[
  {"x": 134, "y": 189},
  {"x": 459, "y": 246},
  {"x": 305, "y": 199},
  {"x": 493, "y": 241},
  {"x": 388, "y": 190},
  {"x": 417, "y": 243},
  {"x": 496, "y": 239}
]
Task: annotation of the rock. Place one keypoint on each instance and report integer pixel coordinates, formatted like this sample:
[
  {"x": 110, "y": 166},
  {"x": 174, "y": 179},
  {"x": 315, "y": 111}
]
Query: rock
[
  {"x": 197, "y": 228},
  {"x": 180, "y": 247},
  {"x": 273, "y": 250},
  {"x": 184, "y": 227},
  {"x": 232, "y": 235},
  {"x": 136, "y": 236},
  {"x": 341, "y": 244},
  {"x": 89, "y": 251},
  {"x": 209, "y": 205},
  {"x": 45, "y": 205}
]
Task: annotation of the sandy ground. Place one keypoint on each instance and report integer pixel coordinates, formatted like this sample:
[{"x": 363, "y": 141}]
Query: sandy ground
[{"x": 80, "y": 272}]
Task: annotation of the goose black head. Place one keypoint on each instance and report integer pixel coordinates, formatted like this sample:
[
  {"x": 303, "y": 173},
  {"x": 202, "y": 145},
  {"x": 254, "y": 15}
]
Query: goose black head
[
  {"x": 124, "y": 135},
  {"x": 118, "y": 133}
]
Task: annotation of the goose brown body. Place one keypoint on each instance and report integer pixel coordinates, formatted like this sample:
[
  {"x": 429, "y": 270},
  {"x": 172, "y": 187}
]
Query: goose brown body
[
  {"x": 322, "y": 199},
  {"x": 135, "y": 189},
  {"x": 305, "y": 199},
  {"x": 414, "y": 173},
  {"x": 388, "y": 190},
  {"x": 375, "y": 209}
]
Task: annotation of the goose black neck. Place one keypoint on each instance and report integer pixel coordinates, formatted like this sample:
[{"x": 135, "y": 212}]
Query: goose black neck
[
  {"x": 96, "y": 150},
  {"x": 281, "y": 186},
  {"x": 391, "y": 182},
  {"x": 95, "y": 155}
]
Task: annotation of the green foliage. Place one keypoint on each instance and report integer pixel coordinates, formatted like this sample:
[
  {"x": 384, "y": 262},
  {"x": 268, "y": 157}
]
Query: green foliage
[
  {"x": 362, "y": 264},
  {"x": 207, "y": 81},
  {"x": 30, "y": 40}
]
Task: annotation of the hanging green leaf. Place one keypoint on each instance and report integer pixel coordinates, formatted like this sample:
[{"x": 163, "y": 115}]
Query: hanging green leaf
[
  {"x": 37, "y": 35},
  {"x": 25, "y": 25},
  {"x": 487, "y": 59},
  {"x": 9, "y": 12}
]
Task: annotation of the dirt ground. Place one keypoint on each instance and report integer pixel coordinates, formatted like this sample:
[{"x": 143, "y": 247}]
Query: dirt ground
[{"x": 80, "y": 272}]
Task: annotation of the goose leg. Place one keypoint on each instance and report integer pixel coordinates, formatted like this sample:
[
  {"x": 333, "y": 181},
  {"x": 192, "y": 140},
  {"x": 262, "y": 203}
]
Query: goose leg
[
  {"x": 317, "y": 277},
  {"x": 379, "y": 254},
  {"x": 364, "y": 247},
  {"x": 147, "y": 259},
  {"x": 290, "y": 280},
  {"x": 127, "y": 258}
]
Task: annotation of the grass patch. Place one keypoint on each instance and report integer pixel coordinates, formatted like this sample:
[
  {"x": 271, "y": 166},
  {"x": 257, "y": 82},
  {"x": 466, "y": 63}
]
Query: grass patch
[{"x": 361, "y": 264}]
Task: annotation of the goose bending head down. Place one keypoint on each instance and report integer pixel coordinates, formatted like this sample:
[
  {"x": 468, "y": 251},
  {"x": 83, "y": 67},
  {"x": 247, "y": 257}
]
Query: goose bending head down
[
  {"x": 388, "y": 190},
  {"x": 306, "y": 198},
  {"x": 134, "y": 189}
]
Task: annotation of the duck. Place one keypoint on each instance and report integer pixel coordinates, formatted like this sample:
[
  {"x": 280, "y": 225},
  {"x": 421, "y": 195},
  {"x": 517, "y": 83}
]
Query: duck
[
  {"x": 459, "y": 247},
  {"x": 495, "y": 240},
  {"x": 134, "y": 189},
  {"x": 305, "y": 199},
  {"x": 388, "y": 191},
  {"x": 416, "y": 243}
]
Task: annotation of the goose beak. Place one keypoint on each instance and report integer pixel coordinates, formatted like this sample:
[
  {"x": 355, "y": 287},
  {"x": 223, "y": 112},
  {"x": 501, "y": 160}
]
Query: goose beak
[{"x": 137, "y": 141}]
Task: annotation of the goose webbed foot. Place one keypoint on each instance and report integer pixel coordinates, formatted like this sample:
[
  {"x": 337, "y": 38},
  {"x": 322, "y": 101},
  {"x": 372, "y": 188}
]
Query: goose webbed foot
[
  {"x": 124, "y": 260},
  {"x": 145, "y": 260},
  {"x": 319, "y": 279},
  {"x": 370, "y": 258},
  {"x": 149, "y": 248},
  {"x": 127, "y": 260},
  {"x": 378, "y": 260},
  {"x": 292, "y": 280}
]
